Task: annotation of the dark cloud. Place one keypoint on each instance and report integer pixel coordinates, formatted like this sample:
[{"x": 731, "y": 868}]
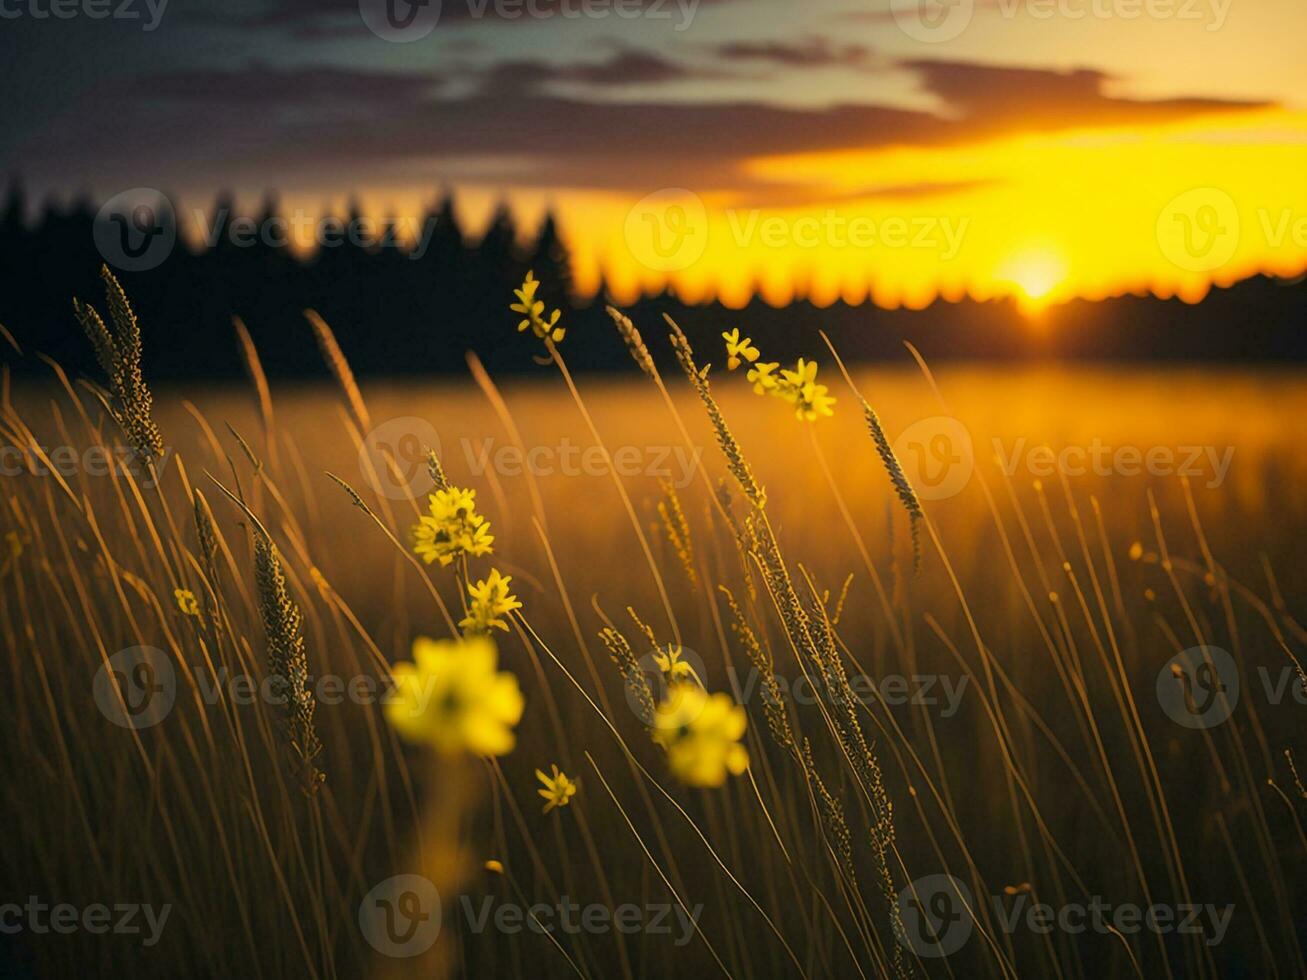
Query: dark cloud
[
  {"x": 623, "y": 67},
  {"x": 505, "y": 126},
  {"x": 1003, "y": 96},
  {"x": 816, "y": 52},
  {"x": 328, "y": 19},
  {"x": 259, "y": 84}
]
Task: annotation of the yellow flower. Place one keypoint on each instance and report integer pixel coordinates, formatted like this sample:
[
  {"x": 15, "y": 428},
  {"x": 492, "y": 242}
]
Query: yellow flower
[
  {"x": 491, "y": 601},
  {"x": 800, "y": 387},
  {"x": 673, "y": 667},
  {"x": 453, "y": 698},
  {"x": 451, "y": 528},
  {"x": 762, "y": 377},
  {"x": 558, "y": 788},
  {"x": 737, "y": 349},
  {"x": 701, "y": 734},
  {"x": 534, "y": 310},
  {"x": 186, "y": 602}
]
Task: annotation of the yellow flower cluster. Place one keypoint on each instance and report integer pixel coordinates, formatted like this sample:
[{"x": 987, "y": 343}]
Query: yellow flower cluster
[
  {"x": 811, "y": 400},
  {"x": 558, "y": 788},
  {"x": 674, "y": 669},
  {"x": 453, "y": 698},
  {"x": 186, "y": 602},
  {"x": 491, "y": 601},
  {"x": 701, "y": 734},
  {"x": 452, "y": 527},
  {"x": 534, "y": 311}
]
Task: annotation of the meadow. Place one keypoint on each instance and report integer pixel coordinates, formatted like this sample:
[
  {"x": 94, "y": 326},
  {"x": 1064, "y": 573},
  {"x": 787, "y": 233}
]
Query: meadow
[{"x": 966, "y": 757}]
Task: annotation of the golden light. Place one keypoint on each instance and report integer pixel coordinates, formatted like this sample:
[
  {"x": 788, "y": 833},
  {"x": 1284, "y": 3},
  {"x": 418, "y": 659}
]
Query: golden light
[{"x": 1036, "y": 273}]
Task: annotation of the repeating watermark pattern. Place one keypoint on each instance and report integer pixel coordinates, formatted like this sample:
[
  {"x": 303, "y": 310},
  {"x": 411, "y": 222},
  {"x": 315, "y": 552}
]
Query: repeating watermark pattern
[
  {"x": 667, "y": 231},
  {"x": 393, "y": 458},
  {"x": 1201, "y": 229},
  {"x": 926, "y": 690},
  {"x": 136, "y": 687},
  {"x": 136, "y": 230},
  {"x": 936, "y": 911},
  {"x": 148, "y": 12},
  {"x": 1200, "y": 687},
  {"x": 939, "y": 916},
  {"x": 659, "y": 669},
  {"x": 573, "y": 918},
  {"x": 676, "y": 464},
  {"x": 670, "y": 230},
  {"x": 1198, "y": 230},
  {"x": 402, "y": 917},
  {"x": 405, "y": 21},
  {"x": 1207, "y": 463},
  {"x": 933, "y": 21},
  {"x": 937, "y": 456},
  {"x": 69, "y": 461},
  {"x": 938, "y": 21},
  {"x": 63, "y": 919}
]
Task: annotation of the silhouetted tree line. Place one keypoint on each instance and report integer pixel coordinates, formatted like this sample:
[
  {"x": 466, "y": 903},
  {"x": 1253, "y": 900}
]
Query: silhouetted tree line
[{"x": 398, "y": 312}]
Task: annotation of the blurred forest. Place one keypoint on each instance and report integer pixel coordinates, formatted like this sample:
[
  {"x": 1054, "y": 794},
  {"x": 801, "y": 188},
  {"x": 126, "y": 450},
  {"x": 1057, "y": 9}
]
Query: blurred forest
[{"x": 398, "y": 312}]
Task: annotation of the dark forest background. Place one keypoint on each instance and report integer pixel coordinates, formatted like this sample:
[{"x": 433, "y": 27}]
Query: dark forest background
[{"x": 396, "y": 314}]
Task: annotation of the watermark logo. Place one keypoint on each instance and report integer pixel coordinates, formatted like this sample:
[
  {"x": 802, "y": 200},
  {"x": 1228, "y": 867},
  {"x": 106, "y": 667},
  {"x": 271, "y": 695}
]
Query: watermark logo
[
  {"x": 938, "y": 916},
  {"x": 136, "y": 230},
  {"x": 1199, "y": 687},
  {"x": 937, "y": 456},
  {"x": 657, "y": 671},
  {"x": 393, "y": 457},
  {"x": 932, "y": 21},
  {"x": 1209, "y": 464},
  {"x": 136, "y": 687},
  {"x": 150, "y": 12},
  {"x": 400, "y": 21},
  {"x": 401, "y": 916},
  {"x": 1198, "y": 230},
  {"x": 935, "y": 911},
  {"x": 98, "y": 919},
  {"x": 667, "y": 231}
]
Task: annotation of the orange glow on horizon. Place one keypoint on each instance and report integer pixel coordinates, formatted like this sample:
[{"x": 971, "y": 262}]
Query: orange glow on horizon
[{"x": 1043, "y": 219}]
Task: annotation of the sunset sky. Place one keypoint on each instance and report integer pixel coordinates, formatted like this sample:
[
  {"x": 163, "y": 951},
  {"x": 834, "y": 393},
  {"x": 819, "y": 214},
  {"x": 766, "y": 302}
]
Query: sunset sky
[{"x": 1039, "y": 148}]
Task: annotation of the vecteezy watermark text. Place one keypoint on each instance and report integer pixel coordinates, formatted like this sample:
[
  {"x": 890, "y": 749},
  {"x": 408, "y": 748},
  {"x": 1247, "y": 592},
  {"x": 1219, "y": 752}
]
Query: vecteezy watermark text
[
  {"x": 68, "y": 461},
  {"x": 402, "y": 917},
  {"x": 939, "y": 915},
  {"x": 64, "y": 919},
  {"x": 150, "y": 11}
]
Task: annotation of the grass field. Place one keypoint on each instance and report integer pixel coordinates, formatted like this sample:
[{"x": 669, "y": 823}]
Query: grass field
[{"x": 1005, "y": 713}]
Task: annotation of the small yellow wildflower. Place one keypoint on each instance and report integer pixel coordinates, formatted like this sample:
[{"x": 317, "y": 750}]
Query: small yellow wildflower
[
  {"x": 675, "y": 669},
  {"x": 451, "y": 528},
  {"x": 491, "y": 601},
  {"x": 453, "y": 698},
  {"x": 762, "y": 376},
  {"x": 534, "y": 309},
  {"x": 701, "y": 734},
  {"x": 737, "y": 349},
  {"x": 558, "y": 788},
  {"x": 810, "y": 399},
  {"x": 495, "y": 867},
  {"x": 186, "y": 602}
]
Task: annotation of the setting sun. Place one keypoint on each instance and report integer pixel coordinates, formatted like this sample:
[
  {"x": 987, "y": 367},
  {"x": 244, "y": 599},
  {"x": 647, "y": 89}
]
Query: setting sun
[{"x": 1036, "y": 275}]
